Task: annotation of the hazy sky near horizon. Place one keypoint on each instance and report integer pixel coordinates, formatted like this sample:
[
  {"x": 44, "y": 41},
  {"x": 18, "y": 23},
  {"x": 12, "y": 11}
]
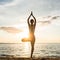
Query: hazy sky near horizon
[{"x": 15, "y": 13}]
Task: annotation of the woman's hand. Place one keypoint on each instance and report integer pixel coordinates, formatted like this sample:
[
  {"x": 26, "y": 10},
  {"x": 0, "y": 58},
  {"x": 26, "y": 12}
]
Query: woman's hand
[{"x": 31, "y": 13}]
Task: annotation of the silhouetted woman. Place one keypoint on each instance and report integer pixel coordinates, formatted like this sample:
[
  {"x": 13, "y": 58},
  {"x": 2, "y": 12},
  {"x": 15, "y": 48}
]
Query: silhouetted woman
[{"x": 31, "y": 25}]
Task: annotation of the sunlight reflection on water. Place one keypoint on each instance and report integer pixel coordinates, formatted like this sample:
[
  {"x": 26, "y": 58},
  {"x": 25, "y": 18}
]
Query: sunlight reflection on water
[{"x": 24, "y": 49}]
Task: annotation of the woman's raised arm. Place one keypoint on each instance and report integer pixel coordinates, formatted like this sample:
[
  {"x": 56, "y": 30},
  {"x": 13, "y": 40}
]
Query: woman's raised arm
[
  {"x": 28, "y": 19},
  {"x": 34, "y": 19}
]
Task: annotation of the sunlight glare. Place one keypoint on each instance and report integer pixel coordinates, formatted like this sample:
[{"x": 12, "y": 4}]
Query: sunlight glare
[
  {"x": 23, "y": 34},
  {"x": 27, "y": 47}
]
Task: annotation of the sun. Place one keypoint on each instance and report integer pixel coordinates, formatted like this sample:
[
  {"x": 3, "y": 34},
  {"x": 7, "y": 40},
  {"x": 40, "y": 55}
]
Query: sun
[{"x": 24, "y": 34}]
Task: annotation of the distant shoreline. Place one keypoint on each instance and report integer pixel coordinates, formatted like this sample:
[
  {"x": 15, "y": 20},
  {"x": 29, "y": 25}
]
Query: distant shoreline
[{"x": 23, "y": 42}]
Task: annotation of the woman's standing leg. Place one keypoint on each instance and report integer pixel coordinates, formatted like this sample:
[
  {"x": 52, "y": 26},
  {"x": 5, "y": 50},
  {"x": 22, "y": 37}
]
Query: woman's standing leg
[
  {"x": 32, "y": 49},
  {"x": 32, "y": 46}
]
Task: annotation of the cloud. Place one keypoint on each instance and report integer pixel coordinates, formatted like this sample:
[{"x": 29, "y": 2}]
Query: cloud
[
  {"x": 51, "y": 17},
  {"x": 4, "y": 3},
  {"x": 18, "y": 10},
  {"x": 45, "y": 22},
  {"x": 55, "y": 17},
  {"x": 11, "y": 29},
  {"x": 48, "y": 19}
]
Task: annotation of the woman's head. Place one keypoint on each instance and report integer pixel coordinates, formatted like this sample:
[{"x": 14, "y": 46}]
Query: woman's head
[{"x": 31, "y": 21}]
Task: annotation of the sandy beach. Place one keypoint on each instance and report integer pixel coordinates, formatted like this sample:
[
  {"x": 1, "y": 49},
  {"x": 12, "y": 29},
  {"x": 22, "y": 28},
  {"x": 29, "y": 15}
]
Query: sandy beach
[{"x": 21, "y": 58}]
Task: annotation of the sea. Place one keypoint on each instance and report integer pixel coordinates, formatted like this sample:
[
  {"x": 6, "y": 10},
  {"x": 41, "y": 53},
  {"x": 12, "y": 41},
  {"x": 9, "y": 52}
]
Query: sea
[{"x": 24, "y": 49}]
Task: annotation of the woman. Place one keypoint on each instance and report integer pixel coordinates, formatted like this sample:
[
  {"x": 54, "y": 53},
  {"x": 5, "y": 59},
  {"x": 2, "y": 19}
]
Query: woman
[
  {"x": 31, "y": 25},
  {"x": 31, "y": 38}
]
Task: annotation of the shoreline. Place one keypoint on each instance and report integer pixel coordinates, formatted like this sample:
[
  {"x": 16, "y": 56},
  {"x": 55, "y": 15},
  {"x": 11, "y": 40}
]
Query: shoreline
[{"x": 27, "y": 58}]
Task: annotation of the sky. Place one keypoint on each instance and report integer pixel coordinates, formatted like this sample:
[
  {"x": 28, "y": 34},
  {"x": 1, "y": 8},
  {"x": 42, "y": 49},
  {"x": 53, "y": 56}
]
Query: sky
[{"x": 13, "y": 20}]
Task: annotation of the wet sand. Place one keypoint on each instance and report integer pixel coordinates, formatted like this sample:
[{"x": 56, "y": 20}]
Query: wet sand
[{"x": 20, "y": 58}]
